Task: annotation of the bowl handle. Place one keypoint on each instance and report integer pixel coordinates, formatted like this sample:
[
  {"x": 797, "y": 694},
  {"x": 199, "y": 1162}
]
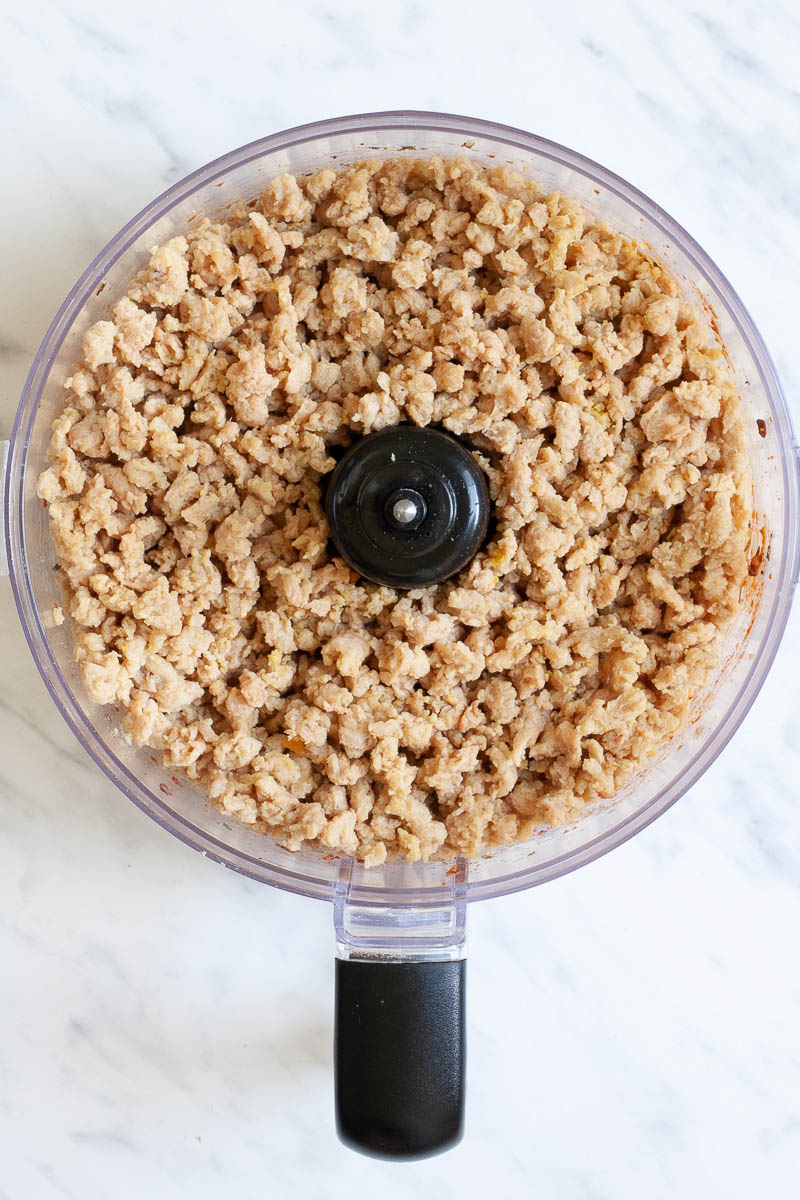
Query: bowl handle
[
  {"x": 399, "y": 1056},
  {"x": 399, "y": 1021}
]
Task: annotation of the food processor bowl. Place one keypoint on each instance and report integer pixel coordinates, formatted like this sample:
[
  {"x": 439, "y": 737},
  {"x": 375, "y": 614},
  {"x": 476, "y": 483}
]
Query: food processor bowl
[{"x": 400, "y": 915}]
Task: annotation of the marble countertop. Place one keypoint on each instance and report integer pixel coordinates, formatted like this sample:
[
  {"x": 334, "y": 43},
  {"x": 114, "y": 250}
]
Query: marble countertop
[{"x": 633, "y": 1028}]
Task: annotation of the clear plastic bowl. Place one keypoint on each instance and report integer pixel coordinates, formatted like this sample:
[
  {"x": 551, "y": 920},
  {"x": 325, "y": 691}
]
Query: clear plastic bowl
[{"x": 751, "y": 643}]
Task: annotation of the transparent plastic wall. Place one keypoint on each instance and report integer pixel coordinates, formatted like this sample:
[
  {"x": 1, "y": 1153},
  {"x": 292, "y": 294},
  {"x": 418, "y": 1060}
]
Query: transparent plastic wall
[{"x": 751, "y": 644}]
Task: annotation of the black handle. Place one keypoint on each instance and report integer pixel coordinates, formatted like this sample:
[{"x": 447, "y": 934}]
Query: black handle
[{"x": 399, "y": 1056}]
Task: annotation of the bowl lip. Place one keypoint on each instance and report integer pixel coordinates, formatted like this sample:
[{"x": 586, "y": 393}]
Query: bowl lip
[{"x": 297, "y": 881}]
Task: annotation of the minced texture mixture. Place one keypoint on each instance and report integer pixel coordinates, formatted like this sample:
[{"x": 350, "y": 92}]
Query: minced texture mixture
[{"x": 186, "y": 503}]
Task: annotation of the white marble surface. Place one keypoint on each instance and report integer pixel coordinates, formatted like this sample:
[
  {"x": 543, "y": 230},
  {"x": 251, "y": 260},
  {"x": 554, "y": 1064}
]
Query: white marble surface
[{"x": 166, "y": 1025}]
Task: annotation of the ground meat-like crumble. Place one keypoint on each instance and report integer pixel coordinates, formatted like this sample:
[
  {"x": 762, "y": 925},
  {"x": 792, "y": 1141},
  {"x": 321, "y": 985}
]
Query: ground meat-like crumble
[{"x": 185, "y": 497}]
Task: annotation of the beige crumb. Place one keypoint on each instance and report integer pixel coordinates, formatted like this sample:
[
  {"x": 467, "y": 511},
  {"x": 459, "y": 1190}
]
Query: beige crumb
[{"x": 185, "y": 500}]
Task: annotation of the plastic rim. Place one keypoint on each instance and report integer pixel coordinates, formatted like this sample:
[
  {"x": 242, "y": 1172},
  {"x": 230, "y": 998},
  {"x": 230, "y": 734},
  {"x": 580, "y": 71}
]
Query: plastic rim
[{"x": 298, "y": 880}]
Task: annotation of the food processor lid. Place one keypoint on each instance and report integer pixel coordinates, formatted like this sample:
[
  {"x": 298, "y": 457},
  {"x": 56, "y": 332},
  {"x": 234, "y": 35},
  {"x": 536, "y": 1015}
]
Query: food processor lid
[{"x": 408, "y": 506}]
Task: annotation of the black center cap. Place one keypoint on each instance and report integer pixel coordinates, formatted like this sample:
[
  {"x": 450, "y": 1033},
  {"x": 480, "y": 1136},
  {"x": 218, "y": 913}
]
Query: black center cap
[{"x": 407, "y": 506}]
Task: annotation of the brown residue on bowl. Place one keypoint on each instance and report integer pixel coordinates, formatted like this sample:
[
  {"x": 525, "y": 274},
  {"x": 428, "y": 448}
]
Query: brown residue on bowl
[{"x": 757, "y": 560}]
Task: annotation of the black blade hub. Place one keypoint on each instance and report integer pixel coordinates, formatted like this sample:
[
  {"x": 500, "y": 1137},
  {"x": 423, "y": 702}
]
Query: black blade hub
[{"x": 407, "y": 506}]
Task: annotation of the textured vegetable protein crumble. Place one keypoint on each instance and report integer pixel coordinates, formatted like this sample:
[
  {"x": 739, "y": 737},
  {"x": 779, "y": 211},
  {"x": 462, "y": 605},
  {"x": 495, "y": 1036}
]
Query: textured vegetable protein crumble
[{"x": 185, "y": 499}]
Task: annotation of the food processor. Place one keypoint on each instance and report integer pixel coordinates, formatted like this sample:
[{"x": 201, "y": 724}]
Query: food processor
[{"x": 400, "y": 928}]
